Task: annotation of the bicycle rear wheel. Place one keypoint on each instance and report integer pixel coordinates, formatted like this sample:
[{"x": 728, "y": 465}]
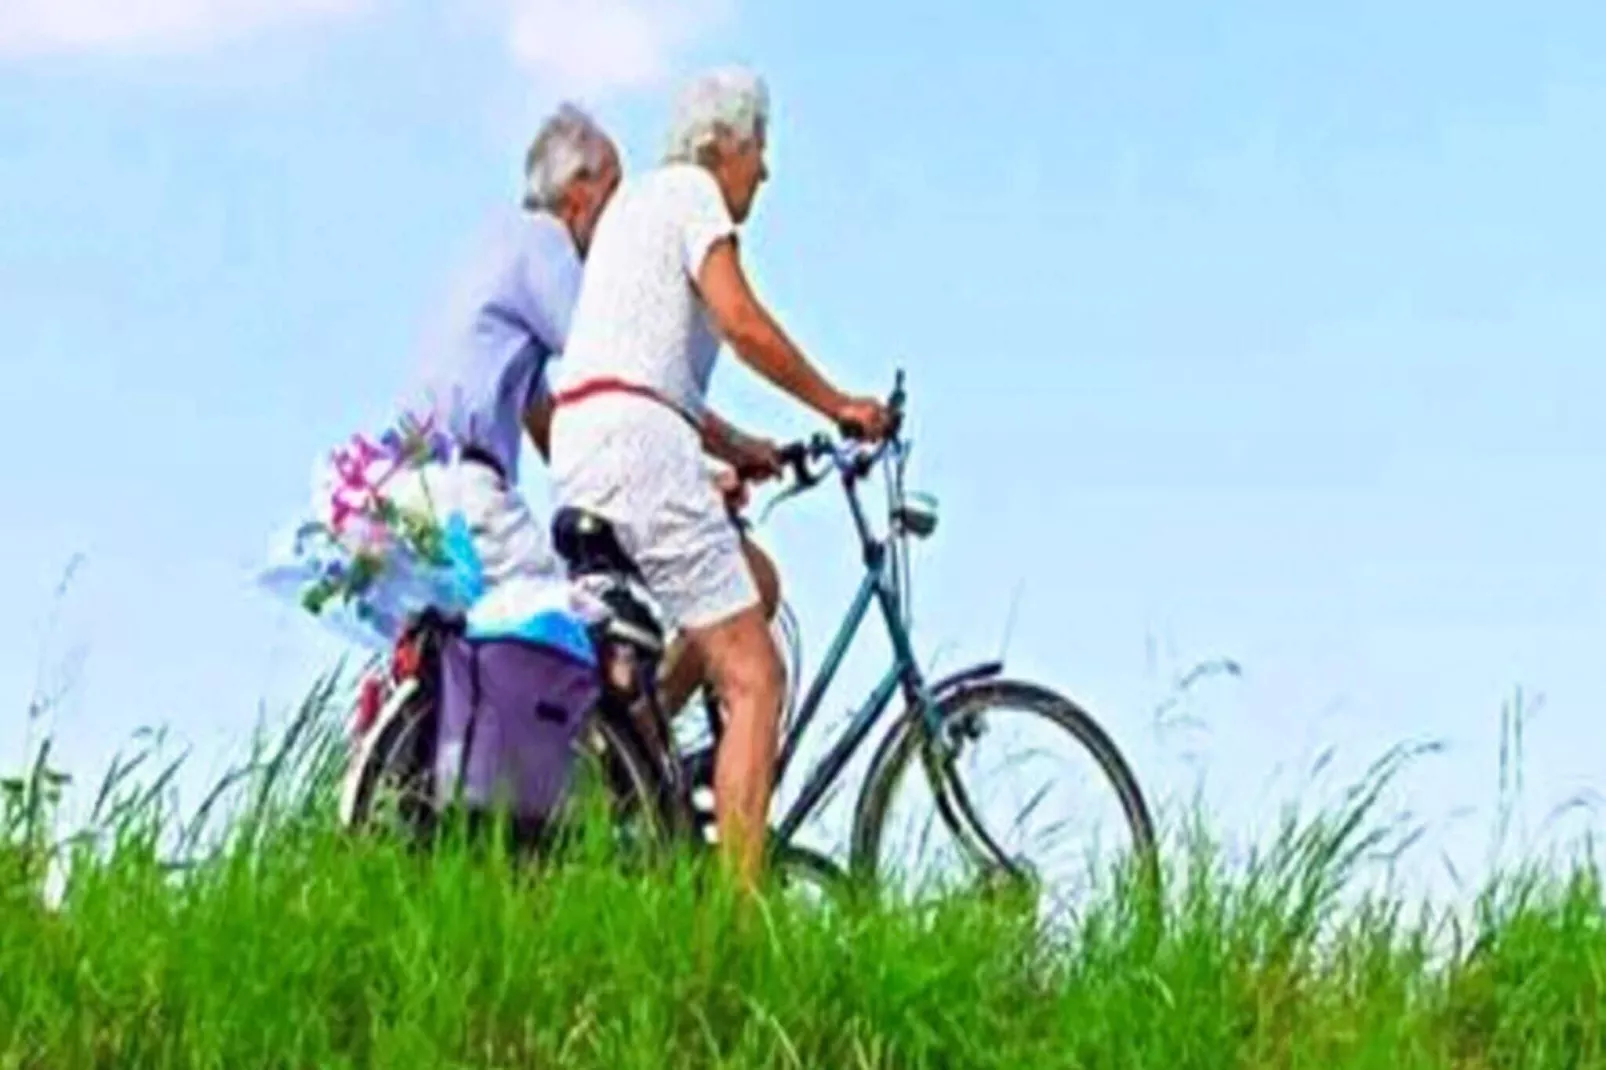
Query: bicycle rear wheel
[
  {"x": 388, "y": 783},
  {"x": 390, "y": 786},
  {"x": 1067, "y": 767},
  {"x": 616, "y": 783}
]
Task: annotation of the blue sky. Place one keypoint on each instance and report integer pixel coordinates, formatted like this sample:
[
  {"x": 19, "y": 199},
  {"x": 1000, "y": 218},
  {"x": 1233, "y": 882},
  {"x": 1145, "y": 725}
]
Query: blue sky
[{"x": 1230, "y": 332}]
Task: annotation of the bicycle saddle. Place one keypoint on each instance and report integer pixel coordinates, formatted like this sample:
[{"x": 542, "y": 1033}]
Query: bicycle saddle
[{"x": 589, "y": 545}]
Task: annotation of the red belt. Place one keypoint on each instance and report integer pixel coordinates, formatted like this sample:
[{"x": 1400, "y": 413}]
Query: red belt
[{"x": 593, "y": 387}]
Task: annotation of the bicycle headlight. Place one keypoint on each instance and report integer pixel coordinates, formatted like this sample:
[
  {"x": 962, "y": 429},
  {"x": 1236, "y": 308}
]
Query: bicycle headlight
[{"x": 917, "y": 515}]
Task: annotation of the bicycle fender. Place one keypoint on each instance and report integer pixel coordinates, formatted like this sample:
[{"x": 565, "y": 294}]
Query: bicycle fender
[
  {"x": 364, "y": 751},
  {"x": 987, "y": 670}
]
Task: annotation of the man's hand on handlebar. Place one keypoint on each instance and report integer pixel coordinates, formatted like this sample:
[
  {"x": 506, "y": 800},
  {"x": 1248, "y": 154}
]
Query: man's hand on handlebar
[
  {"x": 865, "y": 419},
  {"x": 755, "y": 459}
]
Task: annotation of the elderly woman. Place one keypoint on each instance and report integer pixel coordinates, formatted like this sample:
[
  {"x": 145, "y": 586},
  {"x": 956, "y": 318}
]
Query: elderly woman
[{"x": 664, "y": 286}]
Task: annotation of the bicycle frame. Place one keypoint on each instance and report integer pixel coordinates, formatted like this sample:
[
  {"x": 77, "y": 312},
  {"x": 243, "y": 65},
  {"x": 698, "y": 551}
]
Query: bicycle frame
[{"x": 882, "y": 586}]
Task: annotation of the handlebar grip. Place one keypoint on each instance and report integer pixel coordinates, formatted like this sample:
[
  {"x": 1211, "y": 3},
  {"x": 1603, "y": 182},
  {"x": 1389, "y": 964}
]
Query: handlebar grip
[
  {"x": 794, "y": 453},
  {"x": 895, "y": 404},
  {"x": 852, "y": 431}
]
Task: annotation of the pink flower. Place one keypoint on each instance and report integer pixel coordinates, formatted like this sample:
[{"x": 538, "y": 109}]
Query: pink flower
[
  {"x": 351, "y": 465},
  {"x": 340, "y": 513}
]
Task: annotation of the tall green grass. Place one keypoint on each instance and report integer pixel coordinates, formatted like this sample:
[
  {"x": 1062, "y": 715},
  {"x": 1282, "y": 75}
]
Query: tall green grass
[{"x": 257, "y": 936}]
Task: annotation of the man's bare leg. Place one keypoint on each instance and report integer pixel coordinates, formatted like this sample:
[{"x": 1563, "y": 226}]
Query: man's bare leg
[
  {"x": 683, "y": 671},
  {"x": 747, "y": 673}
]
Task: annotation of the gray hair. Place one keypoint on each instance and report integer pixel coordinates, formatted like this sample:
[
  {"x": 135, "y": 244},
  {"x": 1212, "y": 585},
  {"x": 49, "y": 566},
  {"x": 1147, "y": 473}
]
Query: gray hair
[
  {"x": 729, "y": 100},
  {"x": 569, "y": 145}
]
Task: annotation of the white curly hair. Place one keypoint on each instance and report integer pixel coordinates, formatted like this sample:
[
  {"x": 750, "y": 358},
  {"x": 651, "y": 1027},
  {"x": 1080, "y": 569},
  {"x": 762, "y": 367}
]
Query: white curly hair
[
  {"x": 730, "y": 100},
  {"x": 569, "y": 145}
]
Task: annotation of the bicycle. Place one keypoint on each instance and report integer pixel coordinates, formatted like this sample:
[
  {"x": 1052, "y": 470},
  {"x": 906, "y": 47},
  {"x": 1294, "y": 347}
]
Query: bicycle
[{"x": 942, "y": 718}]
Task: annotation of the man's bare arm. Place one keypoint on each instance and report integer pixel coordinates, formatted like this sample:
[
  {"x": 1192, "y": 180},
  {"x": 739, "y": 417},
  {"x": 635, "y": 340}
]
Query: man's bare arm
[
  {"x": 538, "y": 422},
  {"x": 722, "y": 439},
  {"x": 755, "y": 336}
]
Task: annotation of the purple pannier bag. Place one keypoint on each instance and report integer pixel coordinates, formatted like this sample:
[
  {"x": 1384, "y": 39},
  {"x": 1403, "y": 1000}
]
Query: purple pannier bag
[{"x": 510, "y": 713}]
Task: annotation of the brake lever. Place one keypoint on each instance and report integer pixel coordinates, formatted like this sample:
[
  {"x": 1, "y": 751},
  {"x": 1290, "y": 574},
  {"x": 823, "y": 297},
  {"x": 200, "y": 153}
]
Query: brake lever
[
  {"x": 790, "y": 492},
  {"x": 795, "y": 457}
]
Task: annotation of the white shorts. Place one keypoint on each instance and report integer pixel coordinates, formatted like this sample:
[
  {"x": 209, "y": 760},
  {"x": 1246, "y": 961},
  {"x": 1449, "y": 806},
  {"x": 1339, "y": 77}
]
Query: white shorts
[
  {"x": 509, "y": 540},
  {"x": 638, "y": 464}
]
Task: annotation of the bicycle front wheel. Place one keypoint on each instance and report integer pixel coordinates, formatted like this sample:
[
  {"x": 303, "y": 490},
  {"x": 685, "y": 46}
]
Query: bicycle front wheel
[{"x": 1030, "y": 788}]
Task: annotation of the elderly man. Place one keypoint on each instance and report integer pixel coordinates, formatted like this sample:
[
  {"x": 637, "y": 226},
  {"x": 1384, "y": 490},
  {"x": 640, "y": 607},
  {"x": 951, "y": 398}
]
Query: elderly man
[
  {"x": 486, "y": 384},
  {"x": 663, "y": 287}
]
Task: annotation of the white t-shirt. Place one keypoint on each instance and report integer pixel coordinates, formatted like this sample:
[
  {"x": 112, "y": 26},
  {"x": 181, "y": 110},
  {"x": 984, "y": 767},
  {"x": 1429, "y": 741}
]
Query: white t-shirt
[{"x": 639, "y": 316}]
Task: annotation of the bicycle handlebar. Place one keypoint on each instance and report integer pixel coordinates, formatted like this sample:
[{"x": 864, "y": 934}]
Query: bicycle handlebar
[
  {"x": 797, "y": 456},
  {"x": 847, "y": 453},
  {"x": 895, "y": 401}
]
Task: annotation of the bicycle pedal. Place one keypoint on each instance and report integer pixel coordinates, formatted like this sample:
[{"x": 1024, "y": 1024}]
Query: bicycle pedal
[
  {"x": 698, "y": 768},
  {"x": 705, "y": 826}
]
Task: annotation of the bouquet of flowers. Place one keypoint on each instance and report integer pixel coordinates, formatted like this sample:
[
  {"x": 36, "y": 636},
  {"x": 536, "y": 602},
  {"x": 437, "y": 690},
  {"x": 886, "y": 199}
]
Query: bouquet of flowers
[{"x": 365, "y": 560}]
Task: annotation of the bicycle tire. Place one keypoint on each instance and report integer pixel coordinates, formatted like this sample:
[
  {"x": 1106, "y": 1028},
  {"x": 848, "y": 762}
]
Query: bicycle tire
[
  {"x": 388, "y": 762},
  {"x": 633, "y": 775},
  {"x": 391, "y": 764},
  {"x": 795, "y": 864},
  {"x": 898, "y": 748}
]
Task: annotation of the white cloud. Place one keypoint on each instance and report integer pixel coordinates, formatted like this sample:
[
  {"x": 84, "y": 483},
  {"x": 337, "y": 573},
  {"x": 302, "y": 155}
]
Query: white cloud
[
  {"x": 573, "y": 47},
  {"x": 48, "y": 27},
  {"x": 590, "y": 47}
]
